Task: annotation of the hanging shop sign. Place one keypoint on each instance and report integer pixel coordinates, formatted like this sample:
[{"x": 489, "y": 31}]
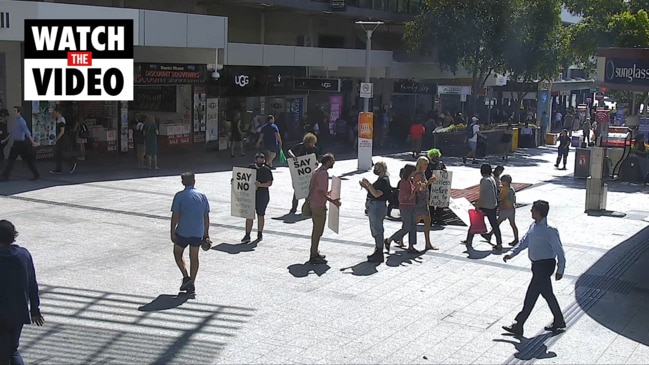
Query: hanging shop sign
[
  {"x": 327, "y": 85},
  {"x": 169, "y": 73},
  {"x": 627, "y": 72},
  {"x": 411, "y": 87}
]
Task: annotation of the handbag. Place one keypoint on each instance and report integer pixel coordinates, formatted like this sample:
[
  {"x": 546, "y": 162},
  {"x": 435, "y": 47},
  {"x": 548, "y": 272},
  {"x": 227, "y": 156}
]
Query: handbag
[
  {"x": 476, "y": 219},
  {"x": 282, "y": 156}
]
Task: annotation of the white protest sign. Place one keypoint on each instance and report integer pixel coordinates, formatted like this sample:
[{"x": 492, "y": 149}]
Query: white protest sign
[
  {"x": 334, "y": 211},
  {"x": 302, "y": 169},
  {"x": 440, "y": 190},
  {"x": 461, "y": 207},
  {"x": 242, "y": 196}
]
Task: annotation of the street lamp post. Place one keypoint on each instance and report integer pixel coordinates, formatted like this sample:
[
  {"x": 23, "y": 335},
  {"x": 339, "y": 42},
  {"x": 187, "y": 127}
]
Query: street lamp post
[{"x": 369, "y": 28}]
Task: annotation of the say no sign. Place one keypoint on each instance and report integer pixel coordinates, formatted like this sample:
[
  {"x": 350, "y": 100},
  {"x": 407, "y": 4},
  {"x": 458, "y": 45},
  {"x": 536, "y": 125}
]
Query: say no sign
[{"x": 302, "y": 169}]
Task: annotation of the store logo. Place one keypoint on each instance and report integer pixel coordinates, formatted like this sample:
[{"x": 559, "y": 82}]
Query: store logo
[
  {"x": 4, "y": 19},
  {"x": 241, "y": 80},
  {"x": 630, "y": 73},
  {"x": 327, "y": 85},
  {"x": 81, "y": 60}
]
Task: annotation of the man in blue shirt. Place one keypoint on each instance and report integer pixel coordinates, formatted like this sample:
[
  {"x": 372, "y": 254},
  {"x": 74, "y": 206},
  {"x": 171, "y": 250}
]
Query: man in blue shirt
[
  {"x": 17, "y": 287},
  {"x": 190, "y": 223},
  {"x": 544, "y": 246},
  {"x": 20, "y": 134},
  {"x": 271, "y": 139}
]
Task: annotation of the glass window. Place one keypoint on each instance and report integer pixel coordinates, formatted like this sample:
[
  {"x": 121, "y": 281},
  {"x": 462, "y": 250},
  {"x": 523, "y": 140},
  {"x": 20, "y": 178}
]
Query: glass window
[
  {"x": 403, "y": 6},
  {"x": 367, "y": 4},
  {"x": 380, "y": 5}
]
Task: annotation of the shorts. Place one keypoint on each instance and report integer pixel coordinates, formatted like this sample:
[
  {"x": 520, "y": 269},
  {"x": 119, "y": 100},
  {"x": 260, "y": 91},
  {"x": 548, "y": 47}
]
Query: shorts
[
  {"x": 191, "y": 241},
  {"x": 473, "y": 145},
  {"x": 506, "y": 214},
  {"x": 270, "y": 155},
  {"x": 261, "y": 202}
]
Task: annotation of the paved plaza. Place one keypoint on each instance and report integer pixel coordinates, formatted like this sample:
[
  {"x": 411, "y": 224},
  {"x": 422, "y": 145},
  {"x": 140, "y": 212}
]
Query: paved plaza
[{"x": 109, "y": 284}]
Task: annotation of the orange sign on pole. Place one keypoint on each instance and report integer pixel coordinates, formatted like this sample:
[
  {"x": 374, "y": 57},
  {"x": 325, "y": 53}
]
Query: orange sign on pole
[{"x": 366, "y": 125}]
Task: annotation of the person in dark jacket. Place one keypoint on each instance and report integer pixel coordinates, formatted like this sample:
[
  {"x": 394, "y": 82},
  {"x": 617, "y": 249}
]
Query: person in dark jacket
[
  {"x": 19, "y": 301},
  {"x": 564, "y": 147},
  {"x": 434, "y": 156}
]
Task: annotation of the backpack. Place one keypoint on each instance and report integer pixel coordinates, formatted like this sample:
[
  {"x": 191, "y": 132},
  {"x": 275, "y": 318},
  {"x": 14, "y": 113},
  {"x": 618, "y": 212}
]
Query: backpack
[
  {"x": 84, "y": 132},
  {"x": 393, "y": 200},
  {"x": 468, "y": 131}
]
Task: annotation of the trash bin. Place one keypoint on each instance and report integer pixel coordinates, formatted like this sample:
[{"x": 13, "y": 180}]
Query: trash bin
[
  {"x": 551, "y": 138},
  {"x": 582, "y": 162},
  {"x": 575, "y": 141}
]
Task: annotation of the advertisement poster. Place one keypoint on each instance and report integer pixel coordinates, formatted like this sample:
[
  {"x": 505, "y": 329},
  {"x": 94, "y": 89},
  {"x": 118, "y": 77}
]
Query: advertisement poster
[
  {"x": 365, "y": 136},
  {"x": 212, "y": 120},
  {"x": 440, "y": 190},
  {"x": 43, "y": 123},
  {"x": 335, "y": 111},
  {"x": 199, "y": 114},
  {"x": 242, "y": 196},
  {"x": 334, "y": 211},
  {"x": 302, "y": 169},
  {"x": 123, "y": 126}
]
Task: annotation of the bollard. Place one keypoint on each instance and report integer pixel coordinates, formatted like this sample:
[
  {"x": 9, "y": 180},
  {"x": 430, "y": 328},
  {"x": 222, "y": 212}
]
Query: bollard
[{"x": 596, "y": 190}]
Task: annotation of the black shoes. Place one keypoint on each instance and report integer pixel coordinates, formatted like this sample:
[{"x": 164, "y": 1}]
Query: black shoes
[
  {"x": 318, "y": 260},
  {"x": 514, "y": 328},
  {"x": 292, "y": 211},
  {"x": 260, "y": 236},
  {"x": 187, "y": 282},
  {"x": 387, "y": 243},
  {"x": 246, "y": 238},
  {"x": 555, "y": 329},
  {"x": 377, "y": 256}
]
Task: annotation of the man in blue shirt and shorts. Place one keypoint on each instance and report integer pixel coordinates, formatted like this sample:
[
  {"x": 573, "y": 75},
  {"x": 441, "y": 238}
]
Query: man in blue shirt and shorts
[{"x": 190, "y": 222}]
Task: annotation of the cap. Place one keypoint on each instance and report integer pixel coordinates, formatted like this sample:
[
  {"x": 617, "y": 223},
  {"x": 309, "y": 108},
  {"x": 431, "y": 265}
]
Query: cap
[
  {"x": 475, "y": 119},
  {"x": 259, "y": 154}
]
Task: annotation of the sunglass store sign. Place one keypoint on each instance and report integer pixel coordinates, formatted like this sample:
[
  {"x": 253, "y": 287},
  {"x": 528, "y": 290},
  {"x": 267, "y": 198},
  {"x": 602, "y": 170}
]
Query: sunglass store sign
[{"x": 79, "y": 60}]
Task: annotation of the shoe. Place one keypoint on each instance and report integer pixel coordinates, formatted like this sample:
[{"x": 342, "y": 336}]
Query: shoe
[
  {"x": 465, "y": 242},
  {"x": 246, "y": 238},
  {"x": 74, "y": 167},
  {"x": 464, "y": 160},
  {"x": 563, "y": 168},
  {"x": 412, "y": 250},
  {"x": 376, "y": 257},
  {"x": 498, "y": 248},
  {"x": 292, "y": 211},
  {"x": 514, "y": 328},
  {"x": 434, "y": 248},
  {"x": 191, "y": 289},
  {"x": 556, "y": 165},
  {"x": 260, "y": 236},
  {"x": 187, "y": 281},
  {"x": 373, "y": 253},
  {"x": 55, "y": 172},
  {"x": 387, "y": 242},
  {"x": 486, "y": 236},
  {"x": 322, "y": 256},
  {"x": 317, "y": 261},
  {"x": 513, "y": 243},
  {"x": 555, "y": 329}
]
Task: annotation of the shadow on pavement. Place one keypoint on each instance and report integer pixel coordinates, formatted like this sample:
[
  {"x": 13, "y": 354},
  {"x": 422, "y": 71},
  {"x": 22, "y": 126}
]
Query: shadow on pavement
[
  {"x": 474, "y": 254},
  {"x": 164, "y": 302},
  {"x": 290, "y": 218},
  {"x": 237, "y": 248},
  {"x": 303, "y": 270},
  {"x": 528, "y": 348},
  {"x": 364, "y": 268},
  {"x": 402, "y": 258}
]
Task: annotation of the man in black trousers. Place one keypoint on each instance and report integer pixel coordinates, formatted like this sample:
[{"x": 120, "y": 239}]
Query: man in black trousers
[
  {"x": 22, "y": 138},
  {"x": 544, "y": 246}
]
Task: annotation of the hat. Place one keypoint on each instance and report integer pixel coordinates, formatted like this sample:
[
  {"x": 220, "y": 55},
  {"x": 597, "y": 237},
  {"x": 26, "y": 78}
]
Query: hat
[
  {"x": 474, "y": 119},
  {"x": 260, "y": 154}
]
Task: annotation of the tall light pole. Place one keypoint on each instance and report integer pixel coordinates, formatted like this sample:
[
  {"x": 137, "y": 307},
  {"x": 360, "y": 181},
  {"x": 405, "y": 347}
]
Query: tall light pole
[{"x": 369, "y": 28}]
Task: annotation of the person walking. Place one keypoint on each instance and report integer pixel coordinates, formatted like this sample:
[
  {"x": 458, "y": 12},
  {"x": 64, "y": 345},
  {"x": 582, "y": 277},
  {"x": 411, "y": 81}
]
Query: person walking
[
  {"x": 407, "y": 211},
  {"x": 82, "y": 133},
  {"x": 262, "y": 196},
  {"x": 20, "y": 134},
  {"x": 4, "y": 132},
  {"x": 434, "y": 156},
  {"x": 62, "y": 143},
  {"x": 472, "y": 139},
  {"x": 190, "y": 224},
  {"x": 417, "y": 131},
  {"x": 19, "y": 300},
  {"x": 318, "y": 197},
  {"x": 376, "y": 204},
  {"x": 236, "y": 136},
  {"x": 506, "y": 142},
  {"x": 306, "y": 147},
  {"x": 506, "y": 208},
  {"x": 564, "y": 147},
  {"x": 545, "y": 252},
  {"x": 138, "y": 140},
  {"x": 271, "y": 139},
  {"x": 585, "y": 129},
  {"x": 151, "y": 143},
  {"x": 487, "y": 203},
  {"x": 422, "y": 196},
  {"x": 545, "y": 124}
]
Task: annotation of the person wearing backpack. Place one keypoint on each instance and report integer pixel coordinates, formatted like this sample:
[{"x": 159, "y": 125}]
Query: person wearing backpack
[
  {"x": 82, "y": 137},
  {"x": 472, "y": 131}
]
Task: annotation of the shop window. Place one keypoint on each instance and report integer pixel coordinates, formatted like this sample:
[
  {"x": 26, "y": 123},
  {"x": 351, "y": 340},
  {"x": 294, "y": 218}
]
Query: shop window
[
  {"x": 381, "y": 5},
  {"x": 367, "y": 4},
  {"x": 402, "y": 6}
]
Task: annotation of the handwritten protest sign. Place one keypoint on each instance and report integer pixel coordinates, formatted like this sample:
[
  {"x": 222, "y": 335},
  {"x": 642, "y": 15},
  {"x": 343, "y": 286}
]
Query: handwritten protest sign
[
  {"x": 334, "y": 211},
  {"x": 440, "y": 190},
  {"x": 242, "y": 197},
  {"x": 301, "y": 170}
]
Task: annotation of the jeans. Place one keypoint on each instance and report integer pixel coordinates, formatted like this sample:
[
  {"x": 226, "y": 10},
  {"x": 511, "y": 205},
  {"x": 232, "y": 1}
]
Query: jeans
[
  {"x": 376, "y": 210},
  {"x": 408, "y": 226},
  {"x": 493, "y": 221},
  {"x": 319, "y": 217},
  {"x": 541, "y": 284},
  {"x": 60, "y": 148},
  {"x": 9, "y": 341}
]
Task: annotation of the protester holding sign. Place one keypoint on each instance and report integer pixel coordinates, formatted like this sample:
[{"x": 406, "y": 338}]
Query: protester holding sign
[
  {"x": 435, "y": 164},
  {"x": 376, "y": 204},
  {"x": 317, "y": 200},
  {"x": 306, "y": 147},
  {"x": 262, "y": 196},
  {"x": 243, "y": 192}
]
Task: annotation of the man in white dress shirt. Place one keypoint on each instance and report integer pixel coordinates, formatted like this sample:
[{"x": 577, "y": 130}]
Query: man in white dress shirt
[{"x": 544, "y": 246}]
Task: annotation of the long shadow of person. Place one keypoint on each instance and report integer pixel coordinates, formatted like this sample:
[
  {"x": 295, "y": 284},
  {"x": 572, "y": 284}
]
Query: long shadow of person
[
  {"x": 474, "y": 254},
  {"x": 303, "y": 270},
  {"x": 235, "y": 249},
  {"x": 164, "y": 302},
  {"x": 401, "y": 258},
  {"x": 528, "y": 348},
  {"x": 290, "y": 218},
  {"x": 364, "y": 268}
]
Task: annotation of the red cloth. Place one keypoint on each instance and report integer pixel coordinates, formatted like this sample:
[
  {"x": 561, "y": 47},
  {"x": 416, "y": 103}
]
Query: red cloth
[{"x": 417, "y": 130}]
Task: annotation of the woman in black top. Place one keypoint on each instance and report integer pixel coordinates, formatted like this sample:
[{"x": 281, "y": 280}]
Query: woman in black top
[
  {"x": 564, "y": 147},
  {"x": 306, "y": 147},
  {"x": 377, "y": 196}
]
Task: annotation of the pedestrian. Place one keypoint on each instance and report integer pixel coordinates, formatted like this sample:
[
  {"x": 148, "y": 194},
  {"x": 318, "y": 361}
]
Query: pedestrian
[
  {"x": 564, "y": 147},
  {"x": 422, "y": 196},
  {"x": 81, "y": 137},
  {"x": 271, "y": 139},
  {"x": 417, "y": 131},
  {"x": 378, "y": 194},
  {"x": 472, "y": 132},
  {"x": 262, "y": 196},
  {"x": 19, "y": 300},
  {"x": 585, "y": 128},
  {"x": 306, "y": 147},
  {"x": 236, "y": 135},
  {"x": 558, "y": 117},
  {"x": 487, "y": 203},
  {"x": 151, "y": 133},
  {"x": 190, "y": 224},
  {"x": 435, "y": 163},
  {"x": 317, "y": 200},
  {"x": 545, "y": 124},
  {"x": 506, "y": 142},
  {"x": 20, "y": 134},
  {"x": 62, "y": 143},
  {"x": 498, "y": 171},
  {"x": 568, "y": 120},
  {"x": 545, "y": 252},
  {"x": 506, "y": 208},
  {"x": 407, "y": 211},
  {"x": 4, "y": 132},
  {"x": 138, "y": 140}
]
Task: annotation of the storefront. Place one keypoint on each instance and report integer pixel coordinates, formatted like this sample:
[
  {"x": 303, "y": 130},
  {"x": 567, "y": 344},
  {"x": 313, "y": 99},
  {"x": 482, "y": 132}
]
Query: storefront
[
  {"x": 412, "y": 99},
  {"x": 452, "y": 98}
]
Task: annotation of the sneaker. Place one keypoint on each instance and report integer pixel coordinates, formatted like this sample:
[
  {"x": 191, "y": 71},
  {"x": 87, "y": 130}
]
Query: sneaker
[
  {"x": 498, "y": 248},
  {"x": 246, "y": 238},
  {"x": 556, "y": 165},
  {"x": 555, "y": 329},
  {"x": 377, "y": 257},
  {"x": 55, "y": 172},
  {"x": 260, "y": 236},
  {"x": 322, "y": 256},
  {"x": 514, "y": 328},
  {"x": 186, "y": 283},
  {"x": 74, "y": 167},
  {"x": 317, "y": 260},
  {"x": 191, "y": 289}
]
